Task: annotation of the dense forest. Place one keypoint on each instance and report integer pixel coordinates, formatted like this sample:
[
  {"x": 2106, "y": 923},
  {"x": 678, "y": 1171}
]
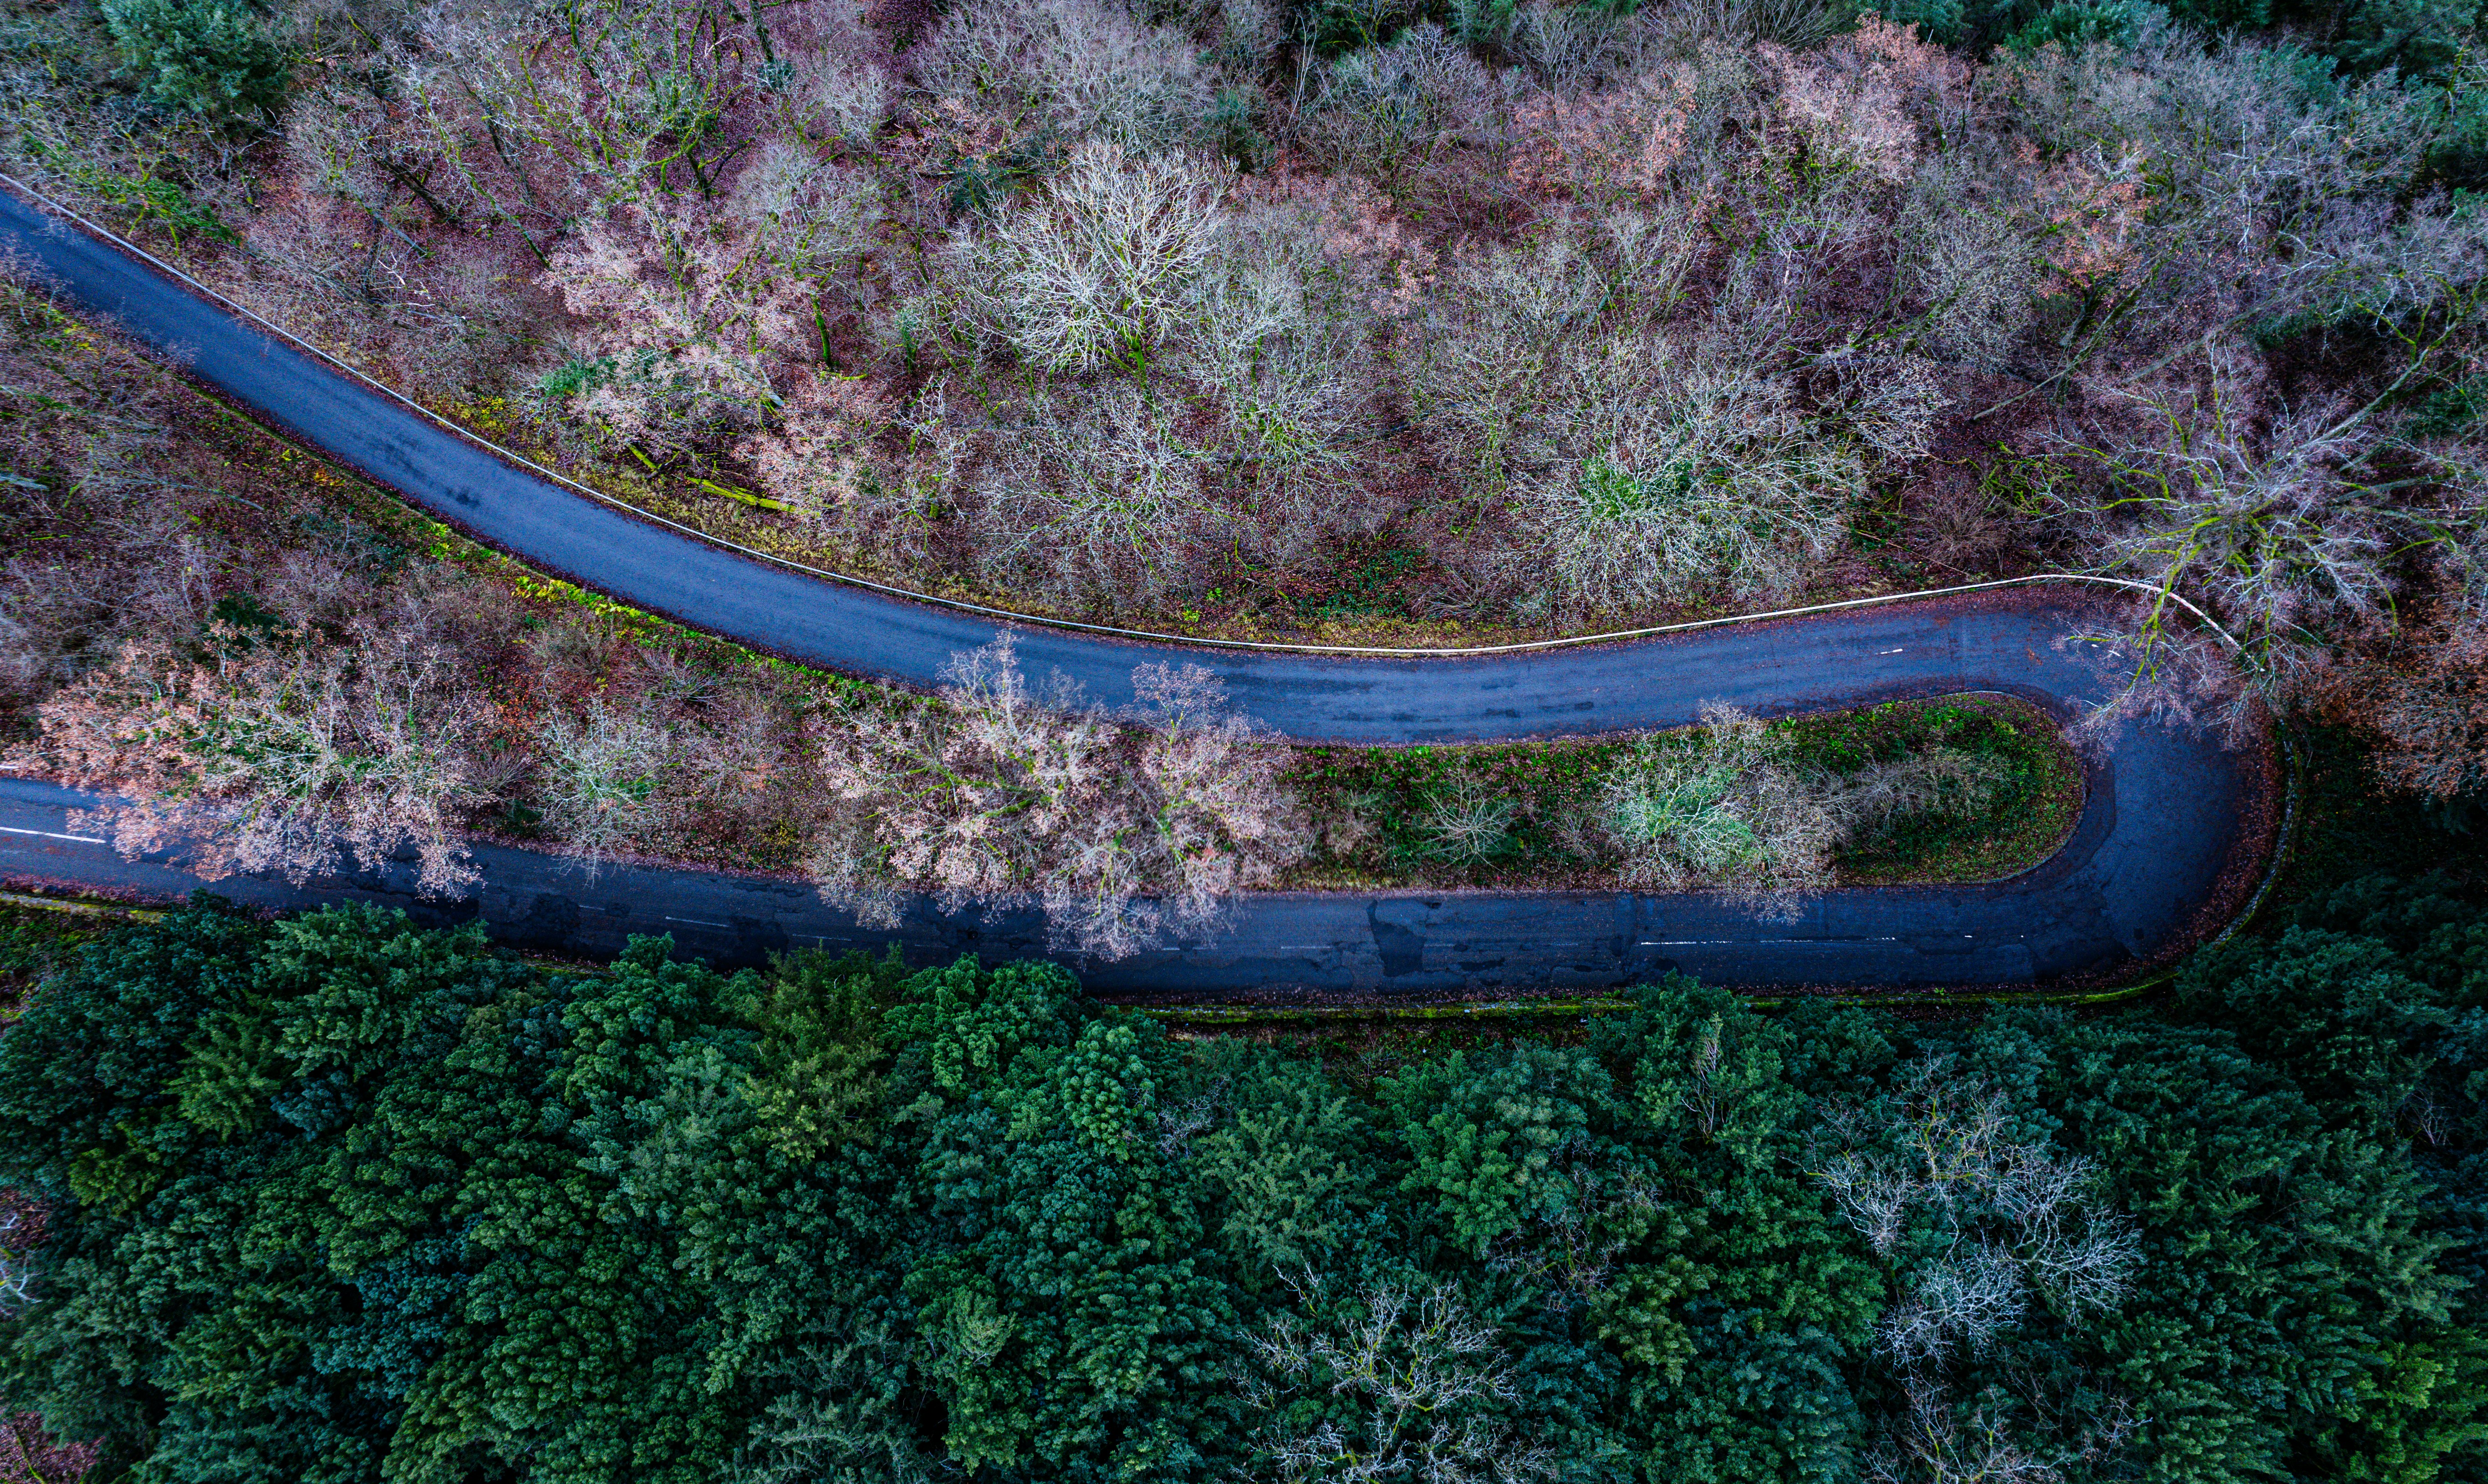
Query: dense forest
[
  {"x": 335, "y": 1199},
  {"x": 1343, "y": 319},
  {"x": 1376, "y": 315},
  {"x": 1337, "y": 318}
]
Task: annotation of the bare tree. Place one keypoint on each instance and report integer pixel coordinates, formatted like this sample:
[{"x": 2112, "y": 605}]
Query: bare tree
[
  {"x": 1093, "y": 271},
  {"x": 1959, "y": 1303},
  {"x": 1673, "y": 471},
  {"x": 2271, "y": 528},
  {"x": 1127, "y": 831},
  {"x": 1932, "y": 1171},
  {"x": 105, "y": 541},
  {"x": 1097, "y": 500},
  {"x": 1975, "y": 1229},
  {"x": 1425, "y": 1386},
  {"x": 1082, "y": 67},
  {"x": 688, "y": 307},
  {"x": 601, "y": 779},
  {"x": 20, "y": 1226},
  {"x": 1381, "y": 107},
  {"x": 283, "y": 752},
  {"x": 1939, "y": 1442}
]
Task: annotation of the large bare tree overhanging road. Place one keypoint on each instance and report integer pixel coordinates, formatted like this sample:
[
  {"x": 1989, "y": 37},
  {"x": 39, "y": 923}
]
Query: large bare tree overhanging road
[{"x": 2172, "y": 822}]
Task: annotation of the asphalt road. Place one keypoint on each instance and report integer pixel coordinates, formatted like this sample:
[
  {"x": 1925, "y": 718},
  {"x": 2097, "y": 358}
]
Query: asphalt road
[{"x": 2164, "y": 818}]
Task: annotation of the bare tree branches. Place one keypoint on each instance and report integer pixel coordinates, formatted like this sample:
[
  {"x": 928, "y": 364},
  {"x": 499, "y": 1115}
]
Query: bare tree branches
[
  {"x": 1977, "y": 1226},
  {"x": 1415, "y": 1385},
  {"x": 282, "y": 752},
  {"x": 1126, "y": 834},
  {"x": 599, "y": 779}
]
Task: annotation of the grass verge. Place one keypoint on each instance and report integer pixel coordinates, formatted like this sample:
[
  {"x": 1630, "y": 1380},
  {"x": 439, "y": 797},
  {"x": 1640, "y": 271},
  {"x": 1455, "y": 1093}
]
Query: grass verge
[{"x": 1384, "y": 814}]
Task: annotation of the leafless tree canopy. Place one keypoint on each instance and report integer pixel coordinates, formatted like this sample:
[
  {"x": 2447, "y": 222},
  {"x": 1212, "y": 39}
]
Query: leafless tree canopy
[
  {"x": 281, "y": 753},
  {"x": 1128, "y": 829},
  {"x": 1415, "y": 1364},
  {"x": 1569, "y": 313},
  {"x": 1979, "y": 1231}
]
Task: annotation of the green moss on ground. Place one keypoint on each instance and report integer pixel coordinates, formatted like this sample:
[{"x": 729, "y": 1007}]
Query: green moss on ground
[{"x": 1553, "y": 787}]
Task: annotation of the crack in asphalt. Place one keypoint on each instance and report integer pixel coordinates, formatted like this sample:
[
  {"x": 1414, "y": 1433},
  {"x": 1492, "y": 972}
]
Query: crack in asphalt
[{"x": 2164, "y": 824}]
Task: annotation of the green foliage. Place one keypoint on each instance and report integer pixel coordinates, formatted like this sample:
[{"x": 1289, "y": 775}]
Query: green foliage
[
  {"x": 1066, "y": 1304},
  {"x": 2075, "y": 26},
  {"x": 2458, "y": 157},
  {"x": 1502, "y": 813},
  {"x": 209, "y": 57},
  {"x": 338, "y": 1199},
  {"x": 1334, "y": 26},
  {"x": 147, "y": 199}
]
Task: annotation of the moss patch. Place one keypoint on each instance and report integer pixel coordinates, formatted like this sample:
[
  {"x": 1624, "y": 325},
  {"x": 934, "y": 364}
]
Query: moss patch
[{"x": 1380, "y": 809}]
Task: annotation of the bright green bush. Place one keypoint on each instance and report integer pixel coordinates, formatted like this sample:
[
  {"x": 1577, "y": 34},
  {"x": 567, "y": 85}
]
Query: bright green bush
[{"x": 212, "y": 57}]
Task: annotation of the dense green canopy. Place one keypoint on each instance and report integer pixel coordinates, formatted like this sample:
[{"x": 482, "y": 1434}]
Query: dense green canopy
[{"x": 335, "y": 1199}]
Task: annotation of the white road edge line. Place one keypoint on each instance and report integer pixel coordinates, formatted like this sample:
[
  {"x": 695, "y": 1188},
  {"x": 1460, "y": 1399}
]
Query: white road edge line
[{"x": 7, "y": 829}]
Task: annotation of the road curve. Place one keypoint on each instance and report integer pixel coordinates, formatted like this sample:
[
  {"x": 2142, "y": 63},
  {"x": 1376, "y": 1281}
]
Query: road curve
[{"x": 2170, "y": 816}]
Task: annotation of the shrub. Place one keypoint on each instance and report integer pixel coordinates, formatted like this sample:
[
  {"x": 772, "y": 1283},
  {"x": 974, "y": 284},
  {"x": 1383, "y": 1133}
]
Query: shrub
[
  {"x": 1092, "y": 271},
  {"x": 1726, "y": 807},
  {"x": 1942, "y": 781},
  {"x": 1671, "y": 473},
  {"x": 209, "y": 57},
  {"x": 1467, "y": 822},
  {"x": 1075, "y": 68},
  {"x": 1719, "y": 808}
]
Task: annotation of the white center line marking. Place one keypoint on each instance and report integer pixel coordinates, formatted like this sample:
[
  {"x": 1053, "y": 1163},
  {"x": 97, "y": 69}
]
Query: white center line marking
[
  {"x": 1891, "y": 650},
  {"x": 700, "y": 923},
  {"x": 7, "y": 829}
]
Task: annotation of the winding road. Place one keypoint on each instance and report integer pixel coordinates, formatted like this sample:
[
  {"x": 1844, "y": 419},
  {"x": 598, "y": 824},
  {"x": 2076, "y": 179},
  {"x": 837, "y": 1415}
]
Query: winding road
[{"x": 2172, "y": 822}]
